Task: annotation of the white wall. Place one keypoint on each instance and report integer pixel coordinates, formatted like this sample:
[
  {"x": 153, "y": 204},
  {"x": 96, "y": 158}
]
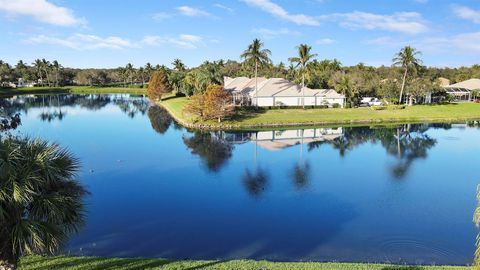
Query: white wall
[{"x": 296, "y": 101}]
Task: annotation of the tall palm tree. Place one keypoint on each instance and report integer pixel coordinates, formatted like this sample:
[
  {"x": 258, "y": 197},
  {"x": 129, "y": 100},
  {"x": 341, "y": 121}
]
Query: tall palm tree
[
  {"x": 46, "y": 66},
  {"x": 130, "y": 72},
  {"x": 38, "y": 65},
  {"x": 304, "y": 57},
  {"x": 41, "y": 202},
  {"x": 408, "y": 59},
  {"x": 148, "y": 70},
  {"x": 178, "y": 65},
  {"x": 258, "y": 56},
  {"x": 56, "y": 69}
]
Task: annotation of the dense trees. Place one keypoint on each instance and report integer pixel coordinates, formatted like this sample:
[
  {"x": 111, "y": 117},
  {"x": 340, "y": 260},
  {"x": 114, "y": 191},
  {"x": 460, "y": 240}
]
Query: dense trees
[
  {"x": 158, "y": 85},
  {"x": 405, "y": 78}
]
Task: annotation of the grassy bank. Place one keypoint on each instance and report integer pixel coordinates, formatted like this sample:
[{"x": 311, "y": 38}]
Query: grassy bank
[
  {"x": 309, "y": 117},
  {"x": 84, "y": 263},
  {"x": 71, "y": 90}
]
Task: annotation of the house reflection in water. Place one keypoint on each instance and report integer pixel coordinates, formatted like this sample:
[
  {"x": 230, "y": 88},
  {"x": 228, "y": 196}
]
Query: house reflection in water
[{"x": 275, "y": 140}]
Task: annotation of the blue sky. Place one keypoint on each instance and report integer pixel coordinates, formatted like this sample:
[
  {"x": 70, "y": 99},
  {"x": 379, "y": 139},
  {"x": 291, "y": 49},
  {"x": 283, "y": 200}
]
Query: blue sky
[{"x": 110, "y": 33}]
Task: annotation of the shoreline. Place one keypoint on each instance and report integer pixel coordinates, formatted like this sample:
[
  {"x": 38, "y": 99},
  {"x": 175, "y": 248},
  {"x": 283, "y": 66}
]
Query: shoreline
[
  {"x": 282, "y": 118},
  {"x": 74, "y": 262},
  {"x": 209, "y": 125}
]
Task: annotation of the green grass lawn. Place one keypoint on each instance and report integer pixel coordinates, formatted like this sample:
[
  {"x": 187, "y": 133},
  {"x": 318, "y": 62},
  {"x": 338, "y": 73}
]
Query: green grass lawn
[
  {"x": 84, "y": 263},
  {"x": 300, "y": 117},
  {"x": 70, "y": 89}
]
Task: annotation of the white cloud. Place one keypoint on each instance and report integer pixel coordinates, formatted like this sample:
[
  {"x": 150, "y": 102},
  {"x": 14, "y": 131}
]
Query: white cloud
[
  {"x": 280, "y": 12},
  {"x": 83, "y": 42},
  {"x": 404, "y": 22},
  {"x": 272, "y": 33},
  {"x": 160, "y": 16},
  {"x": 229, "y": 9},
  {"x": 41, "y": 10},
  {"x": 325, "y": 41},
  {"x": 182, "y": 41},
  {"x": 467, "y": 13},
  {"x": 193, "y": 12},
  {"x": 465, "y": 43}
]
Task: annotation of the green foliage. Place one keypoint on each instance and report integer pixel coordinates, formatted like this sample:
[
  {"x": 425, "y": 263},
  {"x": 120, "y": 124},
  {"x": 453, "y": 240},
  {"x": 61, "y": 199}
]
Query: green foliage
[
  {"x": 336, "y": 105},
  {"x": 41, "y": 203}
]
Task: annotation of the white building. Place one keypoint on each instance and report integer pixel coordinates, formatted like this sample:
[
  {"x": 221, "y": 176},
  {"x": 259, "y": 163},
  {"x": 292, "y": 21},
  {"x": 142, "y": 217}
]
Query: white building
[{"x": 278, "y": 92}]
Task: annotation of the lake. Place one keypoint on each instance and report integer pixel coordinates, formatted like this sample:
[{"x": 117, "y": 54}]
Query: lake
[{"x": 400, "y": 194}]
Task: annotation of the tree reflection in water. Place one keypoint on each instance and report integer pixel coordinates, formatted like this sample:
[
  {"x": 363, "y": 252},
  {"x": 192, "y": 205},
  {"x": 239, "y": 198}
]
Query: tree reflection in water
[
  {"x": 53, "y": 106},
  {"x": 406, "y": 143},
  {"x": 211, "y": 147},
  {"x": 255, "y": 182},
  {"x": 300, "y": 175},
  {"x": 160, "y": 119}
]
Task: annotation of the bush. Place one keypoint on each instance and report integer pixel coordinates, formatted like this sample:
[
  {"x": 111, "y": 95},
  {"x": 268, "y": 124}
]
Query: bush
[
  {"x": 348, "y": 105},
  {"x": 336, "y": 105}
]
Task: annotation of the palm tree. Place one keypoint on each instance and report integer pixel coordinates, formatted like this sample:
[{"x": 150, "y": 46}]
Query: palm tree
[
  {"x": 56, "y": 69},
  {"x": 41, "y": 202},
  {"x": 130, "y": 72},
  {"x": 38, "y": 65},
  {"x": 141, "y": 74},
  {"x": 255, "y": 54},
  {"x": 46, "y": 66},
  {"x": 407, "y": 58},
  {"x": 344, "y": 87},
  {"x": 178, "y": 65},
  {"x": 304, "y": 57},
  {"x": 148, "y": 70}
]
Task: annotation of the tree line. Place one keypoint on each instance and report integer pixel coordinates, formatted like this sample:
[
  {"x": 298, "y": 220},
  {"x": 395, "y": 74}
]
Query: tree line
[{"x": 407, "y": 76}]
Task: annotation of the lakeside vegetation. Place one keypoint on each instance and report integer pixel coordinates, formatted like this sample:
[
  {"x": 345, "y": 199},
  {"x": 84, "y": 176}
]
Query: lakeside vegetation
[
  {"x": 71, "y": 263},
  {"x": 248, "y": 118},
  {"x": 71, "y": 90}
]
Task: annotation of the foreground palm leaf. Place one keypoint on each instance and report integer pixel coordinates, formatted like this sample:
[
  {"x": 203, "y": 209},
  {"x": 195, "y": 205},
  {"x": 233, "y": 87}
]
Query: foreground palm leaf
[{"x": 41, "y": 203}]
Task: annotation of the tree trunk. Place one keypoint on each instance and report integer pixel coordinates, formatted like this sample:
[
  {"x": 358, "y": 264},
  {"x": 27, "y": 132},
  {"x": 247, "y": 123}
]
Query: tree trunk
[
  {"x": 303, "y": 90},
  {"x": 403, "y": 85},
  {"x": 256, "y": 86}
]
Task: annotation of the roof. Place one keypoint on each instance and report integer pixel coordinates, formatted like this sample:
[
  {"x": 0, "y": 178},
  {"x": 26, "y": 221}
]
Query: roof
[
  {"x": 443, "y": 81},
  {"x": 277, "y": 87},
  {"x": 472, "y": 84}
]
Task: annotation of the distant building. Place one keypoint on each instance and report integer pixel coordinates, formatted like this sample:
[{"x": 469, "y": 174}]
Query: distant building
[
  {"x": 279, "y": 92},
  {"x": 462, "y": 91}
]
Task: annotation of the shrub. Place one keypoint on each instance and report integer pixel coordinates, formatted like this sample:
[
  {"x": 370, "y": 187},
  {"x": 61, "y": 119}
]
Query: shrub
[
  {"x": 336, "y": 105},
  {"x": 348, "y": 105}
]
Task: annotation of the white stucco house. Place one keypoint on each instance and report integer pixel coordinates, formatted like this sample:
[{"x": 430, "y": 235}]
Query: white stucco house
[{"x": 278, "y": 92}]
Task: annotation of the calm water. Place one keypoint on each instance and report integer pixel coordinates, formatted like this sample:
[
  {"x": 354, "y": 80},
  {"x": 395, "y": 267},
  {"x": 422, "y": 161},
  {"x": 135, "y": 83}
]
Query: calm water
[{"x": 398, "y": 194}]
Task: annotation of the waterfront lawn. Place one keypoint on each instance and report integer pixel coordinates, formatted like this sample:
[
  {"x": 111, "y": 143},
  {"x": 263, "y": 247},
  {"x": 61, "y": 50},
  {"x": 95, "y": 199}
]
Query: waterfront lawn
[
  {"x": 90, "y": 263},
  {"x": 287, "y": 117},
  {"x": 71, "y": 90}
]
